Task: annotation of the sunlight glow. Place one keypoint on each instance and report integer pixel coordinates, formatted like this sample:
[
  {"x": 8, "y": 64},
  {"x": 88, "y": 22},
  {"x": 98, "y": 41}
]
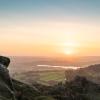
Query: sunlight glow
[
  {"x": 69, "y": 47},
  {"x": 69, "y": 51}
]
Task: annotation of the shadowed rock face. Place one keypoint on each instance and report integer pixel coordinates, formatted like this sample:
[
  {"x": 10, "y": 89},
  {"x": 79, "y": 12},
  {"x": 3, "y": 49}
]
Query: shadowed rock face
[{"x": 6, "y": 86}]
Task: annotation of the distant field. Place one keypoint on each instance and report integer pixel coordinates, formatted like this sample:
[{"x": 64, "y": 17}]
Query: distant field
[
  {"x": 54, "y": 77},
  {"x": 45, "y": 77}
]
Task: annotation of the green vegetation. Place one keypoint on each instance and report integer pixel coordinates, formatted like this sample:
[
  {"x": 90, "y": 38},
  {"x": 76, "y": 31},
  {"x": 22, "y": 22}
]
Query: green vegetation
[
  {"x": 54, "y": 76},
  {"x": 78, "y": 89},
  {"x": 43, "y": 77}
]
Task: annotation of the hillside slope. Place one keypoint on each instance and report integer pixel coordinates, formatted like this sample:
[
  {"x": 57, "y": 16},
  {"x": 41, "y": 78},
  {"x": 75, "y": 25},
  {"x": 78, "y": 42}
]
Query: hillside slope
[{"x": 78, "y": 89}]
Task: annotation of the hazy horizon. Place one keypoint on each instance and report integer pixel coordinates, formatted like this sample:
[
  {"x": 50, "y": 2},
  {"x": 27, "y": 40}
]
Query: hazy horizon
[{"x": 35, "y": 64}]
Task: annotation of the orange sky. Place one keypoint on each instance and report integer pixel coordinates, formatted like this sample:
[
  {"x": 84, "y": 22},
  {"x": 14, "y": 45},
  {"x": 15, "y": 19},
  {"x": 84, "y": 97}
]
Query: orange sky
[
  {"x": 50, "y": 28},
  {"x": 50, "y": 39}
]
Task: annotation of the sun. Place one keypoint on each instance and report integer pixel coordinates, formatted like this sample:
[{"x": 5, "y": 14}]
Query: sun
[
  {"x": 69, "y": 48},
  {"x": 69, "y": 51}
]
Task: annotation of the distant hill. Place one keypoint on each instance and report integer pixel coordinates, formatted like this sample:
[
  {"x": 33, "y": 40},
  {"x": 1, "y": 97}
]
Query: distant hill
[{"x": 91, "y": 72}]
